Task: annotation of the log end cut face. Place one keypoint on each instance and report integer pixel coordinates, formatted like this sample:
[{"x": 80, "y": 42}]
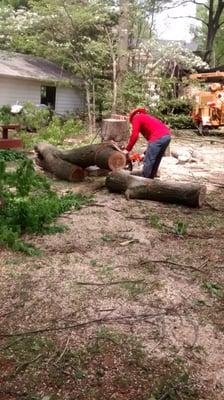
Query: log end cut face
[
  {"x": 116, "y": 161},
  {"x": 77, "y": 174}
]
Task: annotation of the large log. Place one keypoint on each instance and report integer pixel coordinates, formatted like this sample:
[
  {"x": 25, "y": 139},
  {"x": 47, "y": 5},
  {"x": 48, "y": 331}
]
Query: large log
[
  {"x": 135, "y": 187},
  {"x": 71, "y": 164},
  {"x": 48, "y": 158},
  {"x": 115, "y": 129}
]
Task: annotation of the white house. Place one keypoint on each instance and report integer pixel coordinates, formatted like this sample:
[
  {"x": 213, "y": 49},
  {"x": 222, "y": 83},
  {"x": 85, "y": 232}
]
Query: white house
[{"x": 26, "y": 78}]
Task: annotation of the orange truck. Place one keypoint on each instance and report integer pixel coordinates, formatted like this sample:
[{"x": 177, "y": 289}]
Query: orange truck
[{"x": 208, "y": 110}]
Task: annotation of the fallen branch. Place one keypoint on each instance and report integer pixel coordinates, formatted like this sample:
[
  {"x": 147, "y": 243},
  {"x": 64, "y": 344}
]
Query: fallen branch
[
  {"x": 174, "y": 264},
  {"x": 83, "y": 324}
]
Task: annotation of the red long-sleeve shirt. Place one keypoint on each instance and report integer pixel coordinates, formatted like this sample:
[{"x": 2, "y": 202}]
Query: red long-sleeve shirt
[{"x": 150, "y": 127}]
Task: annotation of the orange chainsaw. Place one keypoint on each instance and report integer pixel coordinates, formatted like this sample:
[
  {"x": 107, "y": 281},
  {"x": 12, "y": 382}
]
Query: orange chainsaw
[{"x": 134, "y": 158}]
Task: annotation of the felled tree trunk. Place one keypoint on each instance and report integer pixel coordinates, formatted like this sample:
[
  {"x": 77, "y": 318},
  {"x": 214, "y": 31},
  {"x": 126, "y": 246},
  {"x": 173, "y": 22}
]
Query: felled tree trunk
[
  {"x": 71, "y": 164},
  {"x": 135, "y": 187},
  {"x": 115, "y": 129},
  {"x": 48, "y": 158}
]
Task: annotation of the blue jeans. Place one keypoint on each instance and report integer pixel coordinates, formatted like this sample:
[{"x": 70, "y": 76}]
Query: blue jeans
[{"x": 153, "y": 156}]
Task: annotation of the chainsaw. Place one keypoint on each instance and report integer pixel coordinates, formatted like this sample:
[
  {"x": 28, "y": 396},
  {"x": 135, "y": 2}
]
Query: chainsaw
[{"x": 134, "y": 158}]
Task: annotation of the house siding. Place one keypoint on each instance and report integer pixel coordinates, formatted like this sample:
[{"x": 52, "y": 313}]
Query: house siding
[
  {"x": 69, "y": 100},
  {"x": 13, "y": 90},
  {"x": 21, "y": 90}
]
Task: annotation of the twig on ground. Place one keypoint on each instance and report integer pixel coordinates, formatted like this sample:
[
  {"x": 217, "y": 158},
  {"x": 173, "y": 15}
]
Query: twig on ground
[
  {"x": 64, "y": 351},
  {"x": 81, "y": 325},
  {"x": 174, "y": 264},
  {"x": 25, "y": 364},
  {"x": 102, "y": 205},
  {"x": 110, "y": 283}
]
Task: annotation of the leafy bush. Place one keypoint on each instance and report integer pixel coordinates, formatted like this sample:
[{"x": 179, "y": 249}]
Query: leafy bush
[
  {"x": 175, "y": 106},
  {"x": 28, "y": 205},
  {"x": 5, "y": 115},
  {"x": 12, "y": 155},
  {"x": 132, "y": 92},
  {"x": 175, "y": 112},
  {"x": 33, "y": 118},
  {"x": 55, "y": 133},
  {"x": 180, "y": 121}
]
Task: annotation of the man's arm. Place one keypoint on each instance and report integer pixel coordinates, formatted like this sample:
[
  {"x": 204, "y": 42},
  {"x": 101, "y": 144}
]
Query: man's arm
[{"x": 134, "y": 133}]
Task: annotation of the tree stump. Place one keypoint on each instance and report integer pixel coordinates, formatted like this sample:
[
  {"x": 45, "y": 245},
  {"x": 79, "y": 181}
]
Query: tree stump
[
  {"x": 135, "y": 187},
  {"x": 115, "y": 129}
]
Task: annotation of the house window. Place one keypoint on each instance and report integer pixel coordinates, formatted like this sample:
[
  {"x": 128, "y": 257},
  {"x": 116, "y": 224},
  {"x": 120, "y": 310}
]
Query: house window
[{"x": 48, "y": 95}]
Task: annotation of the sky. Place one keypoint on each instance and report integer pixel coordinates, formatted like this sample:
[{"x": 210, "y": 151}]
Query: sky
[{"x": 176, "y": 29}]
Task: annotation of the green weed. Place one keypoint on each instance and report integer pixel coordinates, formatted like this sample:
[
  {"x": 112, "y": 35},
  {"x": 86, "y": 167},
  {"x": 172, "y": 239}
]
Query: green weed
[
  {"x": 154, "y": 221},
  {"x": 175, "y": 387},
  {"x": 30, "y": 206},
  {"x": 180, "y": 228},
  {"x": 12, "y": 155},
  {"x": 106, "y": 238},
  {"x": 134, "y": 290},
  {"x": 215, "y": 289}
]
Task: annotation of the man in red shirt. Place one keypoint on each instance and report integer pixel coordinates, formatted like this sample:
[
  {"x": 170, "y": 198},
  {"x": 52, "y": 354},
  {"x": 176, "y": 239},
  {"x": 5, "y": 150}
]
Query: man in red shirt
[{"x": 155, "y": 132}]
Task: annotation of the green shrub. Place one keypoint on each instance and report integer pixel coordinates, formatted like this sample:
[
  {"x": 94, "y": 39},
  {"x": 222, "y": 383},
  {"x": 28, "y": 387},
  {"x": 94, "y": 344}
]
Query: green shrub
[
  {"x": 5, "y": 115},
  {"x": 132, "y": 92},
  {"x": 29, "y": 205},
  {"x": 175, "y": 106},
  {"x": 180, "y": 121},
  {"x": 33, "y": 118},
  {"x": 12, "y": 155},
  {"x": 55, "y": 133},
  {"x": 174, "y": 112}
]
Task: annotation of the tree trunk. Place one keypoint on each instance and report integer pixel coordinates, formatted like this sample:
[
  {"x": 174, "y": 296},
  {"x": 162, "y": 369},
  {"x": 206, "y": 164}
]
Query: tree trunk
[
  {"x": 115, "y": 129},
  {"x": 88, "y": 102},
  {"x": 135, "y": 187},
  {"x": 123, "y": 23},
  {"x": 71, "y": 164},
  {"x": 48, "y": 158},
  {"x": 214, "y": 14}
]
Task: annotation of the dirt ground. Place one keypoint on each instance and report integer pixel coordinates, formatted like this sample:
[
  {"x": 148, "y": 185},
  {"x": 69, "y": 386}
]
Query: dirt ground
[{"x": 127, "y": 303}]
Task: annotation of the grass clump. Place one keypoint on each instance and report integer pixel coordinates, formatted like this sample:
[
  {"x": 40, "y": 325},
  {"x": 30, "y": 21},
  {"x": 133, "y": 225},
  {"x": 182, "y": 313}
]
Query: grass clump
[{"x": 28, "y": 205}]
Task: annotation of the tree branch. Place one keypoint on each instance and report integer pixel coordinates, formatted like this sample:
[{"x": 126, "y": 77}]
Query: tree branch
[
  {"x": 190, "y": 16},
  {"x": 186, "y": 2}
]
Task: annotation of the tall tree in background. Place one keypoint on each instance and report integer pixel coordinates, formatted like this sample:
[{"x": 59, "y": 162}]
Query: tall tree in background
[
  {"x": 214, "y": 12},
  {"x": 210, "y": 13},
  {"x": 123, "y": 35}
]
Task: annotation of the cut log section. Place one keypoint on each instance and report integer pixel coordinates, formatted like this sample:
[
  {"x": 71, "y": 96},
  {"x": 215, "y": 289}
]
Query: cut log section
[
  {"x": 115, "y": 129},
  {"x": 48, "y": 158},
  {"x": 135, "y": 187},
  {"x": 108, "y": 158},
  {"x": 71, "y": 164}
]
